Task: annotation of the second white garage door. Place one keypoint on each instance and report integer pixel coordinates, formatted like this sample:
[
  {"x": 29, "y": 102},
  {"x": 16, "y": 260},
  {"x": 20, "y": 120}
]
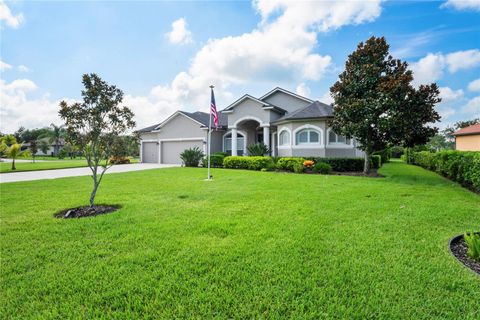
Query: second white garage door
[{"x": 171, "y": 150}]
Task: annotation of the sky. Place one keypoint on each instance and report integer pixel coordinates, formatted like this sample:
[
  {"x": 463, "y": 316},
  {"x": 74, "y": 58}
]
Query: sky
[{"x": 164, "y": 55}]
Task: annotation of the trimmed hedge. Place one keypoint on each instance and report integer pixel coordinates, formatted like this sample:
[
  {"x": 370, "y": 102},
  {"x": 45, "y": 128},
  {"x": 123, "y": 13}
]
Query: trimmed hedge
[
  {"x": 249, "y": 163},
  {"x": 460, "y": 166},
  {"x": 288, "y": 163},
  {"x": 216, "y": 160}
]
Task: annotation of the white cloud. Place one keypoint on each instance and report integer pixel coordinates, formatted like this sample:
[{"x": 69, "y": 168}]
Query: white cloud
[
  {"x": 280, "y": 50},
  {"x": 446, "y": 112},
  {"x": 326, "y": 98},
  {"x": 428, "y": 69},
  {"x": 16, "y": 109},
  {"x": 303, "y": 90},
  {"x": 4, "y": 66},
  {"x": 462, "y": 4},
  {"x": 432, "y": 67},
  {"x": 6, "y": 15},
  {"x": 448, "y": 95},
  {"x": 23, "y": 68},
  {"x": 473, "y": 107},
  {"x": 461, "y": 60},
  {"x": 474, "y": 85},
  {"x": 179, "y": 34}
]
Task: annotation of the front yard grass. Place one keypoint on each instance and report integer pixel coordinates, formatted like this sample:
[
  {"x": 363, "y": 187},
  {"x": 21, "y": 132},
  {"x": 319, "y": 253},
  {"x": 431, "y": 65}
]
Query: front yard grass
[
  {"x": 247, "y": 245},
  {"x": 6, "y": 167}
]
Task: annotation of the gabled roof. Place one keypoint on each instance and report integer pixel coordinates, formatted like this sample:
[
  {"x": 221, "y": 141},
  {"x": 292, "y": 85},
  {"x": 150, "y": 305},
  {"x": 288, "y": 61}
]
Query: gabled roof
[
  {"x": 278, "y": 89},
  {"x": 316, "y": 109},
  {"x": 473, "y": 129},
  {"x": 199, "y": 117},
  {"x": 244, "y": 97}
]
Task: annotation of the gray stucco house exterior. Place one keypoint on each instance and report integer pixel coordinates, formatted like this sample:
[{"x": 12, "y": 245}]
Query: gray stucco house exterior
[{"x": 289, "y": 124}]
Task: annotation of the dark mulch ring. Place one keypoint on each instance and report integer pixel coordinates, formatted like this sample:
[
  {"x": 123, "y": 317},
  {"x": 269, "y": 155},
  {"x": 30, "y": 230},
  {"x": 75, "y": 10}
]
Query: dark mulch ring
[
  {"x": 458, "y": 247},
  {"x": 82, "y": 212}
]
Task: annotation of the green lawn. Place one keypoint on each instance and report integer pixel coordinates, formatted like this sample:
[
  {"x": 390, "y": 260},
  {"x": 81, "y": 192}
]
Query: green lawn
[
  {"x": 247, "y": 245},
  {"x": 47, "y": 165}
]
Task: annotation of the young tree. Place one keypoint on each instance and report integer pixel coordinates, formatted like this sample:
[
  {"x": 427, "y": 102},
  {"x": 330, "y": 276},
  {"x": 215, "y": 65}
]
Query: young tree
[
  {"x": 33, "y": 149},
  {"x": 375, "y": 102},
  {"x": 15, "y": 151},
  {"x": 94, "y": 123}
]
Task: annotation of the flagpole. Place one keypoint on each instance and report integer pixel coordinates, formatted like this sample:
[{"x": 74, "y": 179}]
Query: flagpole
[{"x": 209, "y": 137}]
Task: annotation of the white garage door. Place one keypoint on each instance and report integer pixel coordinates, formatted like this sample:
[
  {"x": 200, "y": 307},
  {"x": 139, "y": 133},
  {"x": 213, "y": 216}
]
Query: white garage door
[
  {"x": 171, "y": 150},
  {"x": 150, "y": 152}
]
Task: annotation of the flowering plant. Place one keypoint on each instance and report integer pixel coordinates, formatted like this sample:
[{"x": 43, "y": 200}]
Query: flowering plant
[{"x": 308, "y": 164}]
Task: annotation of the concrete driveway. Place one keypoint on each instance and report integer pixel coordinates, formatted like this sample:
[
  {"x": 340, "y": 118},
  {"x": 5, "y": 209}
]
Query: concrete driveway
[{"x": 76, "y": 172}]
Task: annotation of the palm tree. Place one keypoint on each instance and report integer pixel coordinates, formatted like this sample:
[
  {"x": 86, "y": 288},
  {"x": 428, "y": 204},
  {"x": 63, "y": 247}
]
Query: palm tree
[
  {"x": 55, "y": 134},
  {"x": 15, "y": 151}
]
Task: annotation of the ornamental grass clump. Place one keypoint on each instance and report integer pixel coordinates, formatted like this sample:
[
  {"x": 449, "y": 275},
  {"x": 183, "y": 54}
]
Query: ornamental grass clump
[{"x": 472, "y": 240}]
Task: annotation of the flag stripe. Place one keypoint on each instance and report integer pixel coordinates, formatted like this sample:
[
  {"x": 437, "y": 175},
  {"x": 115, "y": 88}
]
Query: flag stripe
[{"x": 213, "y": 111}]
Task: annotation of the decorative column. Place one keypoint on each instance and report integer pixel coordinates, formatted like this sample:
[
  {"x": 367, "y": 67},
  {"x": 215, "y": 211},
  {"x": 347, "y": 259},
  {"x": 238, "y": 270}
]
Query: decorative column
[
  {"x": 234, "y": 141},
  {"x": 266, "y": 136}
]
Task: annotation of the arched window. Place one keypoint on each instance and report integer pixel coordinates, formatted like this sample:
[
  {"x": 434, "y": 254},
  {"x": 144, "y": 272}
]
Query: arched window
[
  {"x": 307, "y": 136},
  {"x": 227, "y": 143},
  {"x": 284, "y": 138},
  {"x": 334, "y": 138}
]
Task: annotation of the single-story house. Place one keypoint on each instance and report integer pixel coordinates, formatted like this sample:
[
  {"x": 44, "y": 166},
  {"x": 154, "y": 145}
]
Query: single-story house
[
  {"x": 468, "y": 138},
  {"x": 53, "y": 147},
  {"x": 288, "y": 123}
]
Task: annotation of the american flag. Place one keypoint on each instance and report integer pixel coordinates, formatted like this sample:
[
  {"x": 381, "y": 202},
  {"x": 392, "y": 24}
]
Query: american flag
[{"x": 213, "y": 111}]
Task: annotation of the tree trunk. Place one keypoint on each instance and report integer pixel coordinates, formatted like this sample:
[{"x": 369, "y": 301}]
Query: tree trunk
[
  {"x": 13, "y": 164},
  {"x": 95, "y": 187},
  {"x": 94, "y": 192},
  {"x": 367, "y": 163}
]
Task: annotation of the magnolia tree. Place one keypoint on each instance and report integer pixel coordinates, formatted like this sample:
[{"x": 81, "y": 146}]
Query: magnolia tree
[
  {"x": 93, "y": 124},
  {"x": 375, "y": 101}
]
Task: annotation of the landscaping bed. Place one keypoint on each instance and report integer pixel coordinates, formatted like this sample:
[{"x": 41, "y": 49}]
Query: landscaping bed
[
  {"x": 459, "y": 249},
  {"x": 86, "y": 211}
]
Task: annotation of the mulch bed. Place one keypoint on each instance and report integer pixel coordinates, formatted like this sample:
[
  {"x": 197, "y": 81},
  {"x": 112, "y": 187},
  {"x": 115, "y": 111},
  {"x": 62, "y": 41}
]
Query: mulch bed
[
  {"x": 458, "y": 247},
  {"x": 82, "y": 212}
]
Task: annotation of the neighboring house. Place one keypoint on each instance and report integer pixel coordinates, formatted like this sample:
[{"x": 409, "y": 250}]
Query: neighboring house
[
  {"x": 53, "y": 148},
  {"x": 468, "y": 138},
  {"x": 289, "y": 124}
]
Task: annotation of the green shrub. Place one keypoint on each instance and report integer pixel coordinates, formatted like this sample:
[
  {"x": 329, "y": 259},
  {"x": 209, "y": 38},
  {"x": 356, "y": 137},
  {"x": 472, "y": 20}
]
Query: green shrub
[
  {"x": 460, "y": 166},
  {"x": 376, "y": 161},
  {"x": 298, "y": 168},
  {"x": 472, "y": 240},
  {"x": 343, "y": 164},
  {"x": 191, "y": 157},
  {"x": 288, "y": 163},
  {"x": 322, "y": 167},
  {"x": 250, "y": 163},
  {"x": 216, "y": 160},
  {"x": 384, "y": 155},
  {"x": 258, "y": 150}
]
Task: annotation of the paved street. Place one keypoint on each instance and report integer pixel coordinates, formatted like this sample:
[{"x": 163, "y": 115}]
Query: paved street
[{"x": 75, "y": 172}]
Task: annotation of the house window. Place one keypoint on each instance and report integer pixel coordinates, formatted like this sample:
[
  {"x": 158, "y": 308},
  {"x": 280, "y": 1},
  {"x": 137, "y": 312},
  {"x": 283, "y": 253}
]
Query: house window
[
  {"x": 334, "y": 138},
  {"x": 227, "y": 143},
  {"x": 307, "y": 136},
  {"x": 284, "y": 138}
]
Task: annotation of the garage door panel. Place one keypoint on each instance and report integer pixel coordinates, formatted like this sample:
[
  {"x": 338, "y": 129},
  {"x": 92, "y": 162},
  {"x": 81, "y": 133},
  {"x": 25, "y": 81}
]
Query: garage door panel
[
  {"x": 171, "y": 150},
  {"x": 150, "y": 152}
]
